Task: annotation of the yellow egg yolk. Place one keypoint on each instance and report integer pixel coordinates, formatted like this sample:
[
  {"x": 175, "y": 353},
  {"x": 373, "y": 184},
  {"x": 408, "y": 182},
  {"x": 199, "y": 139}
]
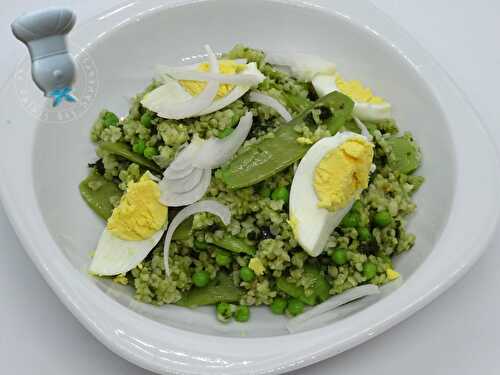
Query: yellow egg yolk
[
  {"x": 356, "y": 91},
  {"x": 225, "y": 67},
  {"x": 343, "y": 173},
  {"x": 391, "y": 274},
  {"x": 140, "y": 213}
]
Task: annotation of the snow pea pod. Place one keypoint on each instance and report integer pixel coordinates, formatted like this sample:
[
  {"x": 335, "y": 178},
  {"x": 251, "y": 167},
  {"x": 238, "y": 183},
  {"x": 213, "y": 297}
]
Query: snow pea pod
[
  {"x": 271, "y": 155},
  {"x": 295, "y": 291},
  {"x": 406, "y": 155},
  {"x": 234, "y": 244},
  {"x": 99, "y": 199},
  {"x": 126, "y": 152},
  {"x": 222, "y": 289}
]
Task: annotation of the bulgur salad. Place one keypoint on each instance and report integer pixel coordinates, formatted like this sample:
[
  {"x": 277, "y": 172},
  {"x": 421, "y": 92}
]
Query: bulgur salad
[{"x": 252, "y": 179}]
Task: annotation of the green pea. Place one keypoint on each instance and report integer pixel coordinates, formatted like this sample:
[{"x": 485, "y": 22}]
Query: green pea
[
  {"x": 222, "y": 258},
  {"x": 246, "y": 274},
  {"x": 139, "y": 147},
  {"x": 339, "y": 256},
  {"x": 369, "y": 270},
  {"x": 146, "y": 119},
  {"x": 382, "y": 219},
  {"x": 264, "y": 191},
  {"x": 280, "y": 193},
  {"x": 110, "y": 119},
  {"x": 364, "y": 234},
  {"x": 242, "y": 314},
  {"x": 200, "y": 245},
  {"x": 278, "y": 306},
  {"x": 357, "y": 206},
  {"x": 350, "y": 220},
  {"x": 149, "y": 152},
  {"x": 224, "y": 311},
  {"x": 295, "y": 307},
  {"x": 225, "y": 132},
  {"x": 201, "y": 278}
]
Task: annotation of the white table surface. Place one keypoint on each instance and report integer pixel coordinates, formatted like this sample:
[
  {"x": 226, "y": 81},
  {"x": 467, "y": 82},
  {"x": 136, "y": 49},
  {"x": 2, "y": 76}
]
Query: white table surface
[{"x": 457, "y": 334}]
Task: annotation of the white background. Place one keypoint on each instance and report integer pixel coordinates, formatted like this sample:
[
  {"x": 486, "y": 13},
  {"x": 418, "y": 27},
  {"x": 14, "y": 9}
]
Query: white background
[{"x": 457, "y": 334}]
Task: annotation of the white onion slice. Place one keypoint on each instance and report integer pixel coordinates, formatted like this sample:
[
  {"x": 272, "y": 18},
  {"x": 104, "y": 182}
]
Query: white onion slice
[
  {"x": 364, "y": 129},
  {"x": 214, "y": 152},
  {"x": 184, "y": 158},
  {"x": 197, "y": 103},
  {"x": 269, "y": 101},
  {"x": 173, "y": 199},
  {"x": 211, "y": 206},
  {"x": 302, "y": 65},
  {"x": 332, "y": 303},
  {"x": 335, "y": 314},
  {"x": 185, "y": 184},
  {"x": 176, "y": 174},
  {"x": 243, "y": 78}
]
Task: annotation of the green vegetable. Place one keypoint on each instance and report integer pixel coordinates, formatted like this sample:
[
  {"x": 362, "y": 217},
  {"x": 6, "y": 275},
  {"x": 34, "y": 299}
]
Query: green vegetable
[
  {"x": 295, "y": 291},
  {"x": 224, "y": 311},
  {"x": 339, "y": 256},
  {"x": 110, "y": 119},
  {"x": 278, "y": 306},
  {"x": 382, "y": 219},
  {"x": 246, "y": 274},
  {"x": 201, "y": 278},
  {"x": 369, "y": 270},
  {"x": 146, "y": 119},
  {"x": 183, "y": 231},
  {"x": 139, "y": 147},
  {"x": 320, "y": 286},
  {"x": 264, "y": 191},
  {"x": 271, "y": 155},
  {"x": 357, "y": 206},
  {"x": 242, "y": 314},
  {"x": 225, "y": 132},
  {"x": 352, "y": 127},
  {"x": 99, "y": 200},
  {"x": 222, "y": 258},
  {"x": 295, "y": 307},
  {"x": 280, "y": 193},
  {"x": 364, "y": 234},
  {"x": 200, "y": 245},
  {"x": 221, "y": 289},
  {"x": 234, "y": 244},
  {"x": 149, "y": 152},
  {"x": 406, "y": 154},
  {"x": 296, "y": 103},
  {"x": 350, "y": 220},
  {"x": 343, "y": 106},
  {"x": 121, "y": 149}
]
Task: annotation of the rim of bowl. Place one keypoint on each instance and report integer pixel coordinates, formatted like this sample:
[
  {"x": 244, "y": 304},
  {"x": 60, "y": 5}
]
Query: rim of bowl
[{"x": 137, "y": 338}]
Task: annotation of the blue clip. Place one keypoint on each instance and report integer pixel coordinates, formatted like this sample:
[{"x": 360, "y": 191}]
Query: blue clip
[{"x": 62, "y": 94}]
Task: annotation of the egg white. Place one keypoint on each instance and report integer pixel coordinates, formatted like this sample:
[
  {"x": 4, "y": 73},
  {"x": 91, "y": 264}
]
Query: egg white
[
  {"x": 312, "y": 225},
  {"x": 115, "y": 256},
  {"x": 324, "y": 84}
]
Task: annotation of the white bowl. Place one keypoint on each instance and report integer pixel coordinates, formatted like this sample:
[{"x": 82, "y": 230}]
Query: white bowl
[{"x": 45, "y": 158}]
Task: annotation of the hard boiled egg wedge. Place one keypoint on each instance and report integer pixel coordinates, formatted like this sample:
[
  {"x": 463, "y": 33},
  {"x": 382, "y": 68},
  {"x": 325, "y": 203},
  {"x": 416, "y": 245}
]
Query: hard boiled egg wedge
[
  {"x": 184, "y": 85},
  {"x": 328, "y": 179},
  {"x": 367, "y": 107},
  {"x": 133, "y": 230}
]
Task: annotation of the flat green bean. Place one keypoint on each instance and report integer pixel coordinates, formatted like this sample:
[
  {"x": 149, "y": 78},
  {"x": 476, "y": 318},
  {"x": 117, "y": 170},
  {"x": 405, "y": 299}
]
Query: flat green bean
[
  {"x": 222, "y": 289},
  {"x": 234, "y": 244},
  {"x": 126, "y": 152},
  {"x": 99, "y": 200}
]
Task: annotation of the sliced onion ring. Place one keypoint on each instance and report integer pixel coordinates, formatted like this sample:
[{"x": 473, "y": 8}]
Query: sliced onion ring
[
  {"x": 269, "y": 101},
  {"x": 177, "y": 199},
  {"x": 332, "y": 303},
  {"x": 199, "y": 102},
  {"x": 187, "y": 183},
  {"x": 214, "y": 152},
  {"x": 244, "y": 78},
  {"x": 364, "y": 129},
  {"x": 210, "y": 206}
]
